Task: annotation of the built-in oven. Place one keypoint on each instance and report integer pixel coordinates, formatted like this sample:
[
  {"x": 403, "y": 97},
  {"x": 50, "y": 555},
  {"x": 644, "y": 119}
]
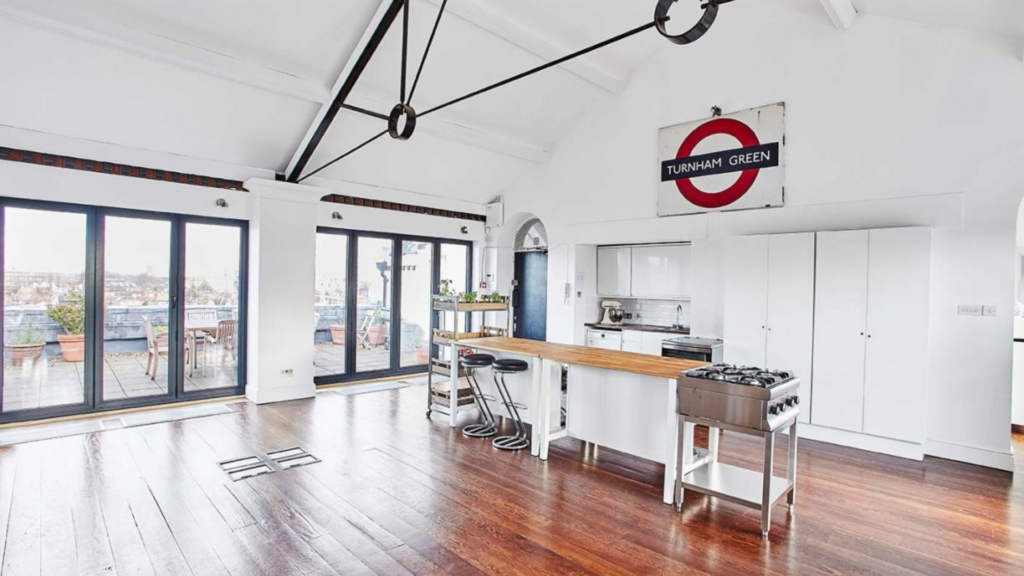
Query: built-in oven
[{"x": 690, "y": 348}]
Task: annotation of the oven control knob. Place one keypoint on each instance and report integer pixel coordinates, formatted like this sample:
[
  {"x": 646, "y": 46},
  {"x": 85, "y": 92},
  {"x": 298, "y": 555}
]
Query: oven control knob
[
  {"x": 796, "y": 399},
  {"x": 791, "y": 401},
  {"x": 773, "y": 409}
]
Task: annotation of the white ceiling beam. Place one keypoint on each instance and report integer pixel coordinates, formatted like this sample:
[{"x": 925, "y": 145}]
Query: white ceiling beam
[
  {"x": 841, "y": 12},
  {"x": 461, "y": 133},
  {"x": 475, "y": 13},
  {"x": 81, "y": 24}
]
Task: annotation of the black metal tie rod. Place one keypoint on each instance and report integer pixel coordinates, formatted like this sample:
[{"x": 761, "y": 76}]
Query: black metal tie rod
[
  {"x": 404, "y": 108},
  {"x": 542, "y": 67},
  {"x": 343, "y": 156}
]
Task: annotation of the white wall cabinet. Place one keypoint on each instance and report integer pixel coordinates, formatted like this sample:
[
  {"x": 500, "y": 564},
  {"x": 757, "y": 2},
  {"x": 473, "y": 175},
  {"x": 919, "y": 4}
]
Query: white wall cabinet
[
  {"x": 769, "y": 305},
  {"x": 871, "y": 332},
  {"x": 614, "y": 271},
  {"x": 663, "y": 271}
]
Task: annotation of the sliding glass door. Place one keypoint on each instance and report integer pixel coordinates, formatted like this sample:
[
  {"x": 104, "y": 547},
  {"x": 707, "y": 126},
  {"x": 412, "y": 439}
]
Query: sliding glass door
[
  {"x": 213, "y": 285},
  {"x": 330, "y": 314},
  {"x": 417, "y": 279},
  {"x": 106, "y": 308},
  {"x": 137, "y": 292},
  {"x": 46, "y": 262},
  {"x": 373, "y": 314},
  {"x": 374, "y": 299}
]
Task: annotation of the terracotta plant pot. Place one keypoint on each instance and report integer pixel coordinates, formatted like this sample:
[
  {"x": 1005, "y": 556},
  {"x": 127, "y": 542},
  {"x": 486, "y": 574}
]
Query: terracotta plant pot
[
  {"x": 21, "y": 352},
  {"x": 422, "y": 354},
  {"x": 338, "y": 334},
  {"x": 72, "y": 347},
  {"x": 376, "y": 335}
]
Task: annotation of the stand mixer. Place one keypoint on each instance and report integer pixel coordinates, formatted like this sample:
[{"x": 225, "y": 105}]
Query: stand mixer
[{"x": 613, "y": 313}]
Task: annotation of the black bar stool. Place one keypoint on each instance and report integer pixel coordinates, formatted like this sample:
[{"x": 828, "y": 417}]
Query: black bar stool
[
  {"x": 472, "y": 362},
  {"x": 519, "y": 440}
]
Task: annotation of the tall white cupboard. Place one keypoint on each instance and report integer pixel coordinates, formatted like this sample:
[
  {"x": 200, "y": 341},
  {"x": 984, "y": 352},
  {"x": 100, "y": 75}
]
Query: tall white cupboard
[
  {"x": 769, "y": 305},
  {"x": 871, "y": 332}
]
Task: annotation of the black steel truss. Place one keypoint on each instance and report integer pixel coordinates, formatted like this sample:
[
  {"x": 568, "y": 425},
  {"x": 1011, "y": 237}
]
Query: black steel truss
[{"x": 404, "y": 109}]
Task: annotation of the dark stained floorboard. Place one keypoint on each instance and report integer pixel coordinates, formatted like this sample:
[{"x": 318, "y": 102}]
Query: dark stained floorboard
[{"x": 397, "y": 494}]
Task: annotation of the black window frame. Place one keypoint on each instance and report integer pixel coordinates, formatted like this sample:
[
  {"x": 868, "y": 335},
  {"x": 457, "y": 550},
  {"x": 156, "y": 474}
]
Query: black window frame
[
  {"x": 94, "y": 280},
  {"x": 351, "y": 292}
]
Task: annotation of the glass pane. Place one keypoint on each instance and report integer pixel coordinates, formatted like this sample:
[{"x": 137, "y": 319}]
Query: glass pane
[
  {"x": 329, "y": 310},
  {"x": 373, "y": 314},
  {"x": 137, "y": 301},
  {"x": 417, "y": 263},
  {"x": 453, "y": 267},
  {"x": 212, "y": 288},
  {"x": 44, "y": 308}
]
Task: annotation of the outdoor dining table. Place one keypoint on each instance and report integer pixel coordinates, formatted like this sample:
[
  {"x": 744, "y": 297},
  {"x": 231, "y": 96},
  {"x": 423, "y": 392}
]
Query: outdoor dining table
[{"x": 193, "y": 328}]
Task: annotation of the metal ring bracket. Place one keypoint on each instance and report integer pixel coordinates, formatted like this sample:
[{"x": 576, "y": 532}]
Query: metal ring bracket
[
  {"x": 410, "y": 121},
  {"x": 691, "y": 35}
]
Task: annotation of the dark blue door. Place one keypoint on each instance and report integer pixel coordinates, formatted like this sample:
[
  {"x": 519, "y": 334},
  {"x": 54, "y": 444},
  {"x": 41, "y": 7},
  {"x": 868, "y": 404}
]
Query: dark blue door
[{"x": 530, "y": 296}]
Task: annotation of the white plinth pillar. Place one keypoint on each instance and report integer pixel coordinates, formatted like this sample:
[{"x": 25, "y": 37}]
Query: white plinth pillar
[{"x": 282, "y": 242}]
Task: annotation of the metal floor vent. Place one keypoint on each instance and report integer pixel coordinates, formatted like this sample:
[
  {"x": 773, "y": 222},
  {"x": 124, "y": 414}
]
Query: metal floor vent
[
  {"x": 292, "y": 457},
  {"x": 245, "y": 468}
]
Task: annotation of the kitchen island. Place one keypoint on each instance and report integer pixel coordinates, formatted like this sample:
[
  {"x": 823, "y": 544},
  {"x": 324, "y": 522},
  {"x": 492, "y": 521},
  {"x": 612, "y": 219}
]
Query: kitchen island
[{"x": 622, "y": 400}]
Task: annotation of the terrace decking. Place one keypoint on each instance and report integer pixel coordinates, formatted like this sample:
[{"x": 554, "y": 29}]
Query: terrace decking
[
  {"x": 53, "y": 382},
  {"x": 329, "y": 359}
]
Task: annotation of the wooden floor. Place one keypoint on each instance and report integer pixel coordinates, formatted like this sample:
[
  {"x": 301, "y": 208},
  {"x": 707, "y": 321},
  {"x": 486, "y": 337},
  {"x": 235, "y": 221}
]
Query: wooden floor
[{"x": 398, "y": 494}]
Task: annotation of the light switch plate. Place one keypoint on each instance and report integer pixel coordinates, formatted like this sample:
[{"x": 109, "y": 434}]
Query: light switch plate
[
  {"x": 969, "y": 310},
  {"x": 988, "y": 310}
]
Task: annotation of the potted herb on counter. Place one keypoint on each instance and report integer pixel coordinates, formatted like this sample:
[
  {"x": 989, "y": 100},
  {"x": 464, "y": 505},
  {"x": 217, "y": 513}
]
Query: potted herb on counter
[
  {"x": 26, "y": 345},
  {"x": 70, "y": 316}
]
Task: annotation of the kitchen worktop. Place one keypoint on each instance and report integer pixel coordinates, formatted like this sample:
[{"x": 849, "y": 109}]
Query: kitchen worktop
[
  {"x": 639, "y": 328},
  {"x": 630, "y": 362}
]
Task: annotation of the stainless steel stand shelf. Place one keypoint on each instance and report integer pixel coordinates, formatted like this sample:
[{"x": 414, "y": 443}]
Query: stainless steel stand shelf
[
  {"x": 450, "y": 397},
  {"x": 705, "y": 474}
]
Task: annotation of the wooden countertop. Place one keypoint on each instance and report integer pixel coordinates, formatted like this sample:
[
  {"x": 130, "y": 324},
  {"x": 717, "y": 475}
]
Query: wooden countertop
[{"x": 644, "y": 364}]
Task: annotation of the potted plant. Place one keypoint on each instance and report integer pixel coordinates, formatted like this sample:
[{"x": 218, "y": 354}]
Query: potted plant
[
  {"x": 445, "y": 288},
  {"x": 422, "y": 350},
  {"x": 468, "y": 297},
  {"x": 338, "y": 334},
  {"x": 70, "y": 316},
  {"x": 497, "y": 298},
  {"x": 26, "y": 345},
  {"x": 377, "y": 331}
]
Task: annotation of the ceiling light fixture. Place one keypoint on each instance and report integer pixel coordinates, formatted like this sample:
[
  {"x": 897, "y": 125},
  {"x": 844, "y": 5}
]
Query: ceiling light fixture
[{"x": 403, "y": 117}]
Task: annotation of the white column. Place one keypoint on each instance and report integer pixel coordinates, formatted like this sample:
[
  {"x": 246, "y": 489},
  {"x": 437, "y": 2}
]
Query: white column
[{"x": 282, "y": 242}]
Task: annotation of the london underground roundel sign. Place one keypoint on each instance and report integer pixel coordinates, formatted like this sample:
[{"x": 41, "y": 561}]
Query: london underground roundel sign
[{"x": 733, "y": 162}]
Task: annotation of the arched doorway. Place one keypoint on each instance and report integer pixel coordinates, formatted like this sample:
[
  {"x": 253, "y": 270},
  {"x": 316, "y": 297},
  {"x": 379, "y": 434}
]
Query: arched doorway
[{"x": 530, "y": 281}]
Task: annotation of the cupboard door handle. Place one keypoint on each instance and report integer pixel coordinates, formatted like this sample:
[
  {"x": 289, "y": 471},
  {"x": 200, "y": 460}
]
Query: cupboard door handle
[{"x": 861, "y": 333}]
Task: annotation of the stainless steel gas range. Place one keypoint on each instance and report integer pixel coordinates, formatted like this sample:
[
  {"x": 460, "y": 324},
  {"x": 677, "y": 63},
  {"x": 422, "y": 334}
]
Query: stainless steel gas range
[{"x": 741, "y": 399}]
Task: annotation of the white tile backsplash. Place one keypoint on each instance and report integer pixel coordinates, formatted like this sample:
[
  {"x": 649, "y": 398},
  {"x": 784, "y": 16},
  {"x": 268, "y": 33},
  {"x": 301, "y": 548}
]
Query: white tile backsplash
[{"x": 656, "y": 312}]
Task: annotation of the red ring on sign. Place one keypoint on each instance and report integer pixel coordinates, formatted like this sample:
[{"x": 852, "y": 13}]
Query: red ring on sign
[{"x": 737, "y": 130}]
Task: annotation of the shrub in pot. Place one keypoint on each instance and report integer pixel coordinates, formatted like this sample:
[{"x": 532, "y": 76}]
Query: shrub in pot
[
  {"x": 26, "y": 345},
  {"x": 70, "y": 316},
  {"x": 421, "y": 348}
]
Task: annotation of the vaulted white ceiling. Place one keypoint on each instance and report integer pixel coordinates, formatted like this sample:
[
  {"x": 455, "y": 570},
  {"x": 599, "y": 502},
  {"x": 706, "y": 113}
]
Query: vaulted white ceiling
[{"x": 242, "y": 81}]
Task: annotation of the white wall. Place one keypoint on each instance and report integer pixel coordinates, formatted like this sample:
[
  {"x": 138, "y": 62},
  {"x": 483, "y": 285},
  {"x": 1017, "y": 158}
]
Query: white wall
[{"x": 889, "y": 124}]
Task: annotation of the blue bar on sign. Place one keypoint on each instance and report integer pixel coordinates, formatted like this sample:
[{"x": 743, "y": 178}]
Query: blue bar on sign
[{"x": 736, "y": 160}]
